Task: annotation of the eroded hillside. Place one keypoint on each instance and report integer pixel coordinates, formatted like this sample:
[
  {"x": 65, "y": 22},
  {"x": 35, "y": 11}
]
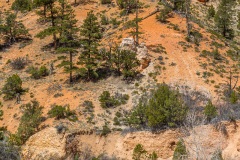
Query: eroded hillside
[{"x": 191, "y": 68}]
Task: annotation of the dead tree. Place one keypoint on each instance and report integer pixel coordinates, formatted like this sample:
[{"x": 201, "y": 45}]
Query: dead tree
[
  {"x": 51, "y": 68},
  {"x": 231, "y": 85},
  {"x": 18, "y": 98}
]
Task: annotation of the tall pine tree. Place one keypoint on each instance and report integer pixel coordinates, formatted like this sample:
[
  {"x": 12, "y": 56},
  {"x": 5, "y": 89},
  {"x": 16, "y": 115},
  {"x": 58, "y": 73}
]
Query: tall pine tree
[
  {"x": 223, "y": 18},
  {"x": 52, "y": 15},
  {"x": 68, "y": 38},
  {"x": 134, "y": 24},
  {"x": 90, "y": 36}
]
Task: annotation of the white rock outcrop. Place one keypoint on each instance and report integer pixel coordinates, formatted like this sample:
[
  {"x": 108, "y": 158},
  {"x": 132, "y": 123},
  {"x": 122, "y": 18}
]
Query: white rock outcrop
[{"x": 46, "y": 144}]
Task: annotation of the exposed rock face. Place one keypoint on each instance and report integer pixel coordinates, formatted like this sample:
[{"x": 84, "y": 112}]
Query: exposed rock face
[
  {"x": 142, "y": 51},
  {"x": 46, "y": 144},
  {"x": 127, "y": 43},
  {"x": 142, "y": 55}
]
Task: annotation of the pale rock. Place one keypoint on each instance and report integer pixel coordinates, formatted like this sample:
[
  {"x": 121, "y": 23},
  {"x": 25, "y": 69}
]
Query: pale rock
[{"x": 46, "y": 144}]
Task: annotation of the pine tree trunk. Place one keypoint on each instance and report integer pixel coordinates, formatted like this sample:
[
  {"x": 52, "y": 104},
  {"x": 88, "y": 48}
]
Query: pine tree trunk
[
  {"x": 70, "y": 67},
  {"x": 44, "y": 11},
  {"x": 53, "y": 25}
]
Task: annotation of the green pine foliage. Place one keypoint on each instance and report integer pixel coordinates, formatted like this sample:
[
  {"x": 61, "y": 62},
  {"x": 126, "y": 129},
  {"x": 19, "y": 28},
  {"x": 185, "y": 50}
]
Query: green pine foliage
[
  {"x": 153, "y": 156},
  {"x": 178, "y": 5},
  {"x": 37, "y": 73},
  {"x": 105, "y": 130},
  {"x": 11, "y": 29},
  {"x": 164, "y": 14},
  {"x": 128, "y": 5},
  {"x": 211, "y": 12},
  {"x": 51, "y": 12},
  {"x": 29, "y": 123},
  {"x": 234, "y": 97},
  {"x": 210, "y": 111},
  {"x": 223, "y": 18},
  {"x": 106, "y": 1},
  {"x": 139, "y": 152},
  {"x": 180, "y": 151},
  {"x": 62, "y": 112},
  {"x": 90, "y": 36},
  {"x": 104, "y": 20},
  {"x": 12, "y": 87},
  {"x": 22, "y": 5},
  {"x": 108, "y": 101},
  {"x": 126, "y": 62},
  {"x": 164, "y": 108},
  {"x": 130, "y": 64},
  {"x": 68, "y": 37}
]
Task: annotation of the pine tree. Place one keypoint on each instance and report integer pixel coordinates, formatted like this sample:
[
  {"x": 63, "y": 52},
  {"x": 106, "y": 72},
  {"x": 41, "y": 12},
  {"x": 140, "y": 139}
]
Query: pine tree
[
  {"x": 117, "y": 59},
  {"x": 128, "y": 5},
  {"x": 210, "y": 111},
  {"x": 178, "y": 4},
  {"x": 130, "y": 64},
  {"x": 12, "y": 87},
  {"x": 180, "y": 151},
  {"x": 139, "y": 152},
  {"x": 134, "y": 24},
  {"x": 12, "y": 29},
  {"x": 165, "y": 108},
  {"x": 126, "y": 62},
  {"x": 22, "y": 5},
  {"x": 30, "y": 120},
  {"x": 52, "y": 13},
  {"x": 90, "y": 36},
  {"x": 223, "y": 18},
  {"x": 68, "y": 36},
  {"x": 211, "y": 12},
  {"x": 42, "y": 3}
]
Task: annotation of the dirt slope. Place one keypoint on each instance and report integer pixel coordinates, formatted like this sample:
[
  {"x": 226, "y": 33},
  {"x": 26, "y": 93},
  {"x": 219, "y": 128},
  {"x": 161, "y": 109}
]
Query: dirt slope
[{"x": 182, "y": 63}]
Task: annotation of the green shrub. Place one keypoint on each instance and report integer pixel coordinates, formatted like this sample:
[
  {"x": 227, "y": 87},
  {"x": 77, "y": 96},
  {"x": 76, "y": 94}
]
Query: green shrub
[
  {"x": 60, "y": 112},
  {"x": 197, "y": 37},
  {"x": 38, "y": 73},
  {"x": 12, "y": 87},
  {"x": 29, "y": 123},
  {"x": 108, "y": 101},
  {"x": 139, "y": 152},
  {"x": 216, "y": 55},
  {"x": 234, "y": 97},
  {"x": 164, "y": 108},
  {"x": 210, "y": 111},
  {"x": 211, "y": 12},
  {"x": 129, "y": 5},
  {"x": 164, "y": 14},
  {"x": 105, "y": 130},
  {"x": 104, "y": 20},
  {"x": 106, "y": 1},
  {"x": 180, "y": 151}
]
